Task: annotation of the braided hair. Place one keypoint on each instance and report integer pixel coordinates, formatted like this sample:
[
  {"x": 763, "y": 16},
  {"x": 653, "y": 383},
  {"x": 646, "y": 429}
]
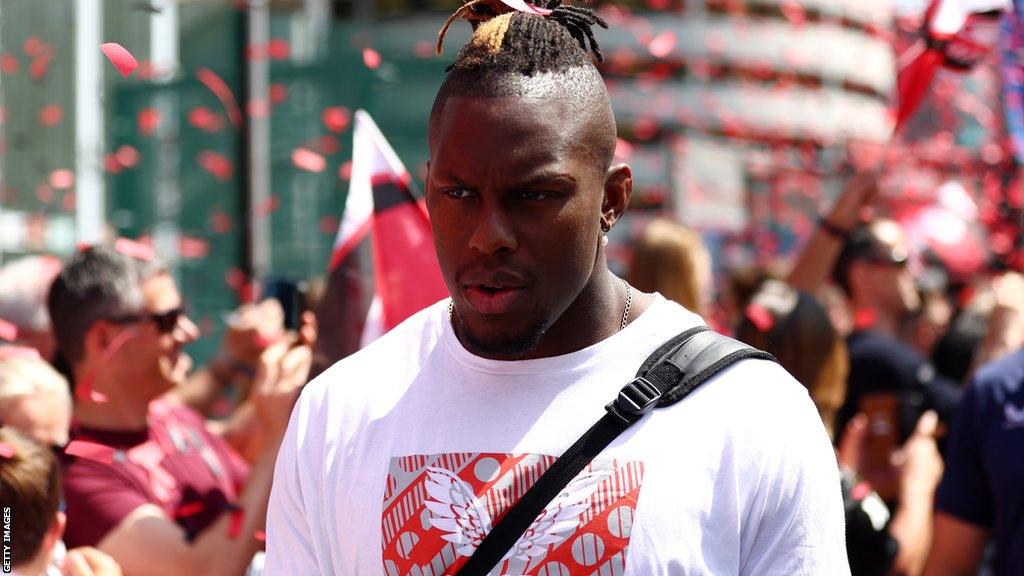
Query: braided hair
[
  {"x": 515, "y": 53},
  {"x": 506, "y": 39}
]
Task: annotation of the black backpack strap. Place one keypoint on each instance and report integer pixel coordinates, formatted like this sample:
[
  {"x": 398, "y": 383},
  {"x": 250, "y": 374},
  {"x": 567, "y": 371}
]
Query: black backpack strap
[{"x": 668, "y": 375}]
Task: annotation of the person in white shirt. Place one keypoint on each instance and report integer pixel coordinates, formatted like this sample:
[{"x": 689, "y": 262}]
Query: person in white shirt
[{"x": 400, "y": 458}]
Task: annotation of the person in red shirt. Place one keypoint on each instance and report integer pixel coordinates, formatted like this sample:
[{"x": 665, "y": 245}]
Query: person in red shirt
[{"x": 144, "y": 479}]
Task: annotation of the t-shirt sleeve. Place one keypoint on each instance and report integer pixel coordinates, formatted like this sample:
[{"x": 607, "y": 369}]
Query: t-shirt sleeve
[
  {"x": 97, "y": 498},
  {"x": 796, "y": 523},
  {"x": 290, "y": 546},
  {"x": 964, "y": 490}
]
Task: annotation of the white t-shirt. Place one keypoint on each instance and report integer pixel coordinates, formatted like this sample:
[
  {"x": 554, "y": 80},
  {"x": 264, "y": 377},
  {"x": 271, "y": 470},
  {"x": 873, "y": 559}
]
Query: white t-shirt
[{"x": 397, "y": 459}]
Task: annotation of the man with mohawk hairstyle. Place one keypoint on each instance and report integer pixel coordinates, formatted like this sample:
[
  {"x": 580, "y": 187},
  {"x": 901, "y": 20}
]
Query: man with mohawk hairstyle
[{"x": 401, "y": 458}]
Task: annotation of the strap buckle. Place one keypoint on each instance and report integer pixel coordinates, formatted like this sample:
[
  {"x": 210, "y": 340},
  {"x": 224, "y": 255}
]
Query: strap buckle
[{"x": 634, "y": 400}]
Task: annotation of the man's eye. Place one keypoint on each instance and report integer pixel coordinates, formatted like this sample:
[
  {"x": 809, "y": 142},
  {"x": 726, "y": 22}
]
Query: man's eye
[
  {"x": 458, "y": 193},
  {"x": 534, "y": 195}
]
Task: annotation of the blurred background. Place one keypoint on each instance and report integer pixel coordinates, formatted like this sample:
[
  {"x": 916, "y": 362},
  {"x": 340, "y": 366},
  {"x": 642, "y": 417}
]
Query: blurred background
[{"x": 229, "y": 148}]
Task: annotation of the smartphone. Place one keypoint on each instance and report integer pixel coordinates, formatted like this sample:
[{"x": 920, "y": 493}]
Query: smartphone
[
  {"x": 290, "y": 294},
  {"x": 883, "y": 439}
]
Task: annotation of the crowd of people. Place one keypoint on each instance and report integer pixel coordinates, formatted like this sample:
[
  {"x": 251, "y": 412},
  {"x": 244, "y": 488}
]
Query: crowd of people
[{"x": 118, "y": 456}]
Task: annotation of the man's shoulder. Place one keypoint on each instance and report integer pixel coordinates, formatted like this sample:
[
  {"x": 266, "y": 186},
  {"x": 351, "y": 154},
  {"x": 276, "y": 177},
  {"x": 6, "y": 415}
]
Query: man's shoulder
[{"x": 1005, "y": 375}]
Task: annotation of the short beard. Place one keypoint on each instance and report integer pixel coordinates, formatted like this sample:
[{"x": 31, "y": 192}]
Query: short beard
[{"x": 511, "y": 348}]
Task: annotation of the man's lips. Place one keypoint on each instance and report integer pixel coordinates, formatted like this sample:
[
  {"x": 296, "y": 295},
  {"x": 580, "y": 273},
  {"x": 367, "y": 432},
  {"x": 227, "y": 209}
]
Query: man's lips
[{"x": 485, "y": 300}]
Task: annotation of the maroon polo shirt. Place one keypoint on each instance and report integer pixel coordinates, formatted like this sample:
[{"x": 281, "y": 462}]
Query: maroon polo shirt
[{"x": 175, "y": 463}]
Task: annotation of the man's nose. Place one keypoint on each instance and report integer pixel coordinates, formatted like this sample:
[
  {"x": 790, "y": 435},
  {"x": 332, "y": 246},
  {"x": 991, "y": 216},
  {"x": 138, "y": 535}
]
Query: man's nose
[{"x": 494, "y": 232}]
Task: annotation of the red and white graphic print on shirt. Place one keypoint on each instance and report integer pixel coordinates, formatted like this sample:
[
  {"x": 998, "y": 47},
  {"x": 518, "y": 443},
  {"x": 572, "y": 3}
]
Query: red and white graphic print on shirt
[{"x": 437, "y": 509}]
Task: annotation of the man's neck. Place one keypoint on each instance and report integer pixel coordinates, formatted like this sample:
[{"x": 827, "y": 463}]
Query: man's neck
[{"x": 118, "y": 412}]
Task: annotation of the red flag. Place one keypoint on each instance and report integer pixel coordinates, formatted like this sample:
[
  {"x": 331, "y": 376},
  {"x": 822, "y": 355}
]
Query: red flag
[
  {"x": 382, "y": 223},
  {"x": 947, "y": 41}
]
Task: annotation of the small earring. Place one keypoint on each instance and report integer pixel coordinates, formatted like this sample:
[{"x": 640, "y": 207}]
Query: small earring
[{"x": 604, "y": 240}]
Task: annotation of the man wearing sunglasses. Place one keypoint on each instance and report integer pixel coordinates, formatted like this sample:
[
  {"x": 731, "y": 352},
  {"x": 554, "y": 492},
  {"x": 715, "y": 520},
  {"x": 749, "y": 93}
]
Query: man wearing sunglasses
[
  {"x": 145, "y": 480},
  {"x": 873, "y": 269}
]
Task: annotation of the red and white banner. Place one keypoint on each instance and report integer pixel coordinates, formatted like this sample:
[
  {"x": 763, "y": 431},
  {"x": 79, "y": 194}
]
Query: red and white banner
[
  {"x": 948, "y": 39},
  {"x": 383, "y": 268}
]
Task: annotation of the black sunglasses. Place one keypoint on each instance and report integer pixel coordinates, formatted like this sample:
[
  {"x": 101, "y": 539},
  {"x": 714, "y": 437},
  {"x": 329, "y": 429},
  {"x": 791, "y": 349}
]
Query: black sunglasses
[{"x": 165, "y": 321}]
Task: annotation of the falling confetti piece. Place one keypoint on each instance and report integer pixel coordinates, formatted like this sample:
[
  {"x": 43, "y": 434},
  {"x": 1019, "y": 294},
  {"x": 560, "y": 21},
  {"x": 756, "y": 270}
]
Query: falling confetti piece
[
  {"x": 8, "y": 64},
  {"x": 329, "y": 225},
  {"x": 127, "y": 156},
  {"x": 51, "y": 115},
  {"x": 266, "y": 207},
  {"x": 278, "y": 93},
  {"x": 120, "y": 57},
  {"x": 6, "y": 450},
  {"x": 44, "y": 193},
  {"x": 39, "y": 67},
  {"x": 62, "y": 179},
  {"x": 793, "y": 12},
  {"x": 148, "y": 120},
  {"x": 90, "y": 451},
  {"x": 328, "y": 145},
  {"x": 33, "y": 46},
  {"x": 260, "y": 535},
  {"x": 216, "y": 164},
  {"x": 306, "y": 159},
  {"x": 193, "y": 248},
  {"x": 623, "y": 149},
  {"x": 760, "y": 317},
  {"x": 8, "y": 331},
  {"x": 336, "y": 118},
  {"x": 523, "y": 6},
  {"x": 345, "y": 171},
  {"x": 134, "y": 248},
  {"x": 220, "y": 89},
  {"x": 257, "y": 108},
  {"x": 220, "y": 222},
  {"x": 278, "y": 49},
  {"x": 371, "y": 58},
  {"x": 662, "y": 45},
  {"x": 205, "y": 119}
]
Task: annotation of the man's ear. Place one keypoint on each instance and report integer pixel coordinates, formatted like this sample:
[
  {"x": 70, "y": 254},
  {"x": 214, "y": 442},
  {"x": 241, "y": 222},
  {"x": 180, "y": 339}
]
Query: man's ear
[
  {"x": 97, "y": 338},
  {"x": 618, "y": 188},
  {"x": 55, "y": 532}
]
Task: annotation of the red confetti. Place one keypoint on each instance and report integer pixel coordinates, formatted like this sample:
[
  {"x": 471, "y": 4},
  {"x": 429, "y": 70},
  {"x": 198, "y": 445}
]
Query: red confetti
[
  {"x": 121, "y": 58},
  {"x": 190, "y": 509},
  {"x": 148, "y": 120},
  {"x": 345, "y": 171},
  {"x": 6, "y": 450},
  {"x": 135, "y": 249},
  {"x": 193, "y": 248},
  {"x": 278, "y": 93},
  {"x": 127, "y": 156},
  {"x": 423, "y": 49},
  {"x": 523, "y": 6},
  {"x": 623, "y": 149},
  {"x": 206, "y": 120},
  {"x": 44, "y": 193},
  {"x": 336, "y": 118},
  {"x": 220, "y": 222},
  {"x": 278, "y": 49},
  {"x": 8, "y": 64},
  {"x": 8, "y": 331},
  {"x": 371, "y": 58},
  {"x": 260, "y": 535},
  {"x": 793, "y": 12},
  {"x": 329, "y": 224},
  {"x": 62, "y": 179},
  {"x": 306, "y": 159},
  {"x": 662, "y": 44},
  {"x": 51, "y": 115},
  {"x": 90, "y": 451},
  {"x": 33, "y": 46},
  {"x": 257, "y": 108},
  {"x": 68, "y": 202},
  {"x": 237, "y": 519},
  {"x": 266, "y": 207},
  {"x": 329, "y": 145},
  {"x": 38, "y": 68},
  {"x": 223, "y": 93},
  {"x": 861, "y": 491},
  {"x": 110, "y": 164},
  {"x": 216, "y": 164},
  {"x": 760, "y": 317}
]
